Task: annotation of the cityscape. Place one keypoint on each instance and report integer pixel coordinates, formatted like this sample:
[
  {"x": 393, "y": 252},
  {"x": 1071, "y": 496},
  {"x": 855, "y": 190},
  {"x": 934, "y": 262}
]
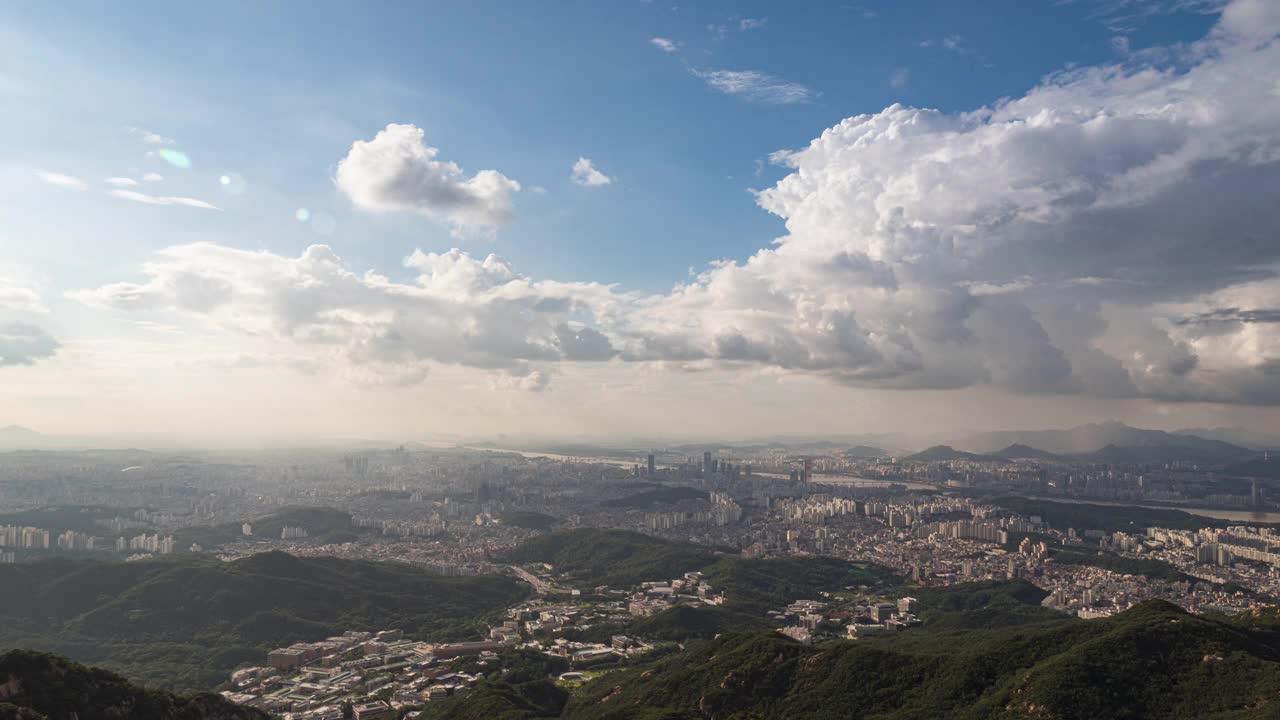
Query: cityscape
[{"x": 929, "y": 520}]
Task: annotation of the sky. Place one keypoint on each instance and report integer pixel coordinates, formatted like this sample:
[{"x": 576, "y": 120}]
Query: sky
[{"x": 275, "y": 221}]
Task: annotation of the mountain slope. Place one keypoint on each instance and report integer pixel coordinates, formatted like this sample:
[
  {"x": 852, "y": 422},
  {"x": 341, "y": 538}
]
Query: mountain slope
[
  {"x": 593, "y": 557},
  {"x": 185, "y": 623},
  {"x": 1159, "y": 455},
  {"x": 1154, "y": 661},
  {"x": 36, "y": 685}
]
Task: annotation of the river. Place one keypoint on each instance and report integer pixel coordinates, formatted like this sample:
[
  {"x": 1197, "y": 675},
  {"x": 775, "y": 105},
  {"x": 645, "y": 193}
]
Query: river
[{"x": 1257, "y": 516}]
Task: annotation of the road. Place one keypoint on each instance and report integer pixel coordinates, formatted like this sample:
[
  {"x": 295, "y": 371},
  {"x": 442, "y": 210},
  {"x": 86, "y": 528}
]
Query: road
[{"x": 539, "y": 585}]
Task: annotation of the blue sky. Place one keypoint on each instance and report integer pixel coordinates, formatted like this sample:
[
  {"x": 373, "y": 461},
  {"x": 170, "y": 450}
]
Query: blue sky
[
  {"x": 277, "y": 92},
  {"x": 680, "y": 107}
]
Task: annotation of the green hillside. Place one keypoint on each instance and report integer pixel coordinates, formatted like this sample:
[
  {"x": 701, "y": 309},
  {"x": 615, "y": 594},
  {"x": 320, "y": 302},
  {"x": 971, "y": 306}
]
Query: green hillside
[
  {"x": 37, "y": 686},
  {"x": 593, "y": 557},
  {"x": 1154, "y": 661},
  {"x": 529, "y": 520},
  {"x": 755, "y": 586},
  {"x": 185, "y": 623}
]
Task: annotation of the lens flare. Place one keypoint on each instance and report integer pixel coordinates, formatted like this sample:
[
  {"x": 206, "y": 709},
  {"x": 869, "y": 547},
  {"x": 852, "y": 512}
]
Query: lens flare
[
  {"x": 176, "y": 158},
  {"x": 302, "y": 214},
  {"x": 232, "y": 183}
]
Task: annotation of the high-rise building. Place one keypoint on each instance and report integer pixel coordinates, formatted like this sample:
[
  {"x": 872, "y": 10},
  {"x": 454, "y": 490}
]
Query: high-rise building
[
  {"x": 706, "y": 463},
  {"x": 653, "y": 468}
]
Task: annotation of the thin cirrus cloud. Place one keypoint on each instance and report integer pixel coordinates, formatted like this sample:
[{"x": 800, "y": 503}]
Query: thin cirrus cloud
[
  {"x": 149, "y": 137},
  {"x": 397, "y": 171},
  {"x": 69, "y": 182},
  {"x": 1050, "y": 244},
  {"x": 899, "y": 78},
  {"x": 131, "y": 182},
  {"x": 756, "y": 86},
  {"x": 664, "y": 44},
  {"x": 140, "y": 197},
  {"x": 584, "y": 173}
]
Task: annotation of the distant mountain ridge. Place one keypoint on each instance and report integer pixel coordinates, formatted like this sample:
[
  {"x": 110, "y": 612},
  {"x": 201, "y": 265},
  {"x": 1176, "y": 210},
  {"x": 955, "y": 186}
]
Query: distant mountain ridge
[
  {"x": 1236, "y": 436},
  {"x": 946, "y": 452},
  {"x": 1018, "y": 451},
  {"x": 1093, "y": 439}
]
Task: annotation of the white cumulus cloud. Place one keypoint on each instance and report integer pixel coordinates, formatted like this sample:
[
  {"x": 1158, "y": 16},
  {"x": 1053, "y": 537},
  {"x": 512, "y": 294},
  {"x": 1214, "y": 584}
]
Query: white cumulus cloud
[
  {"x": 584, "y": 173},
  {"x": 397, "y": 171},
  {"x": 1109, "y": 233}
]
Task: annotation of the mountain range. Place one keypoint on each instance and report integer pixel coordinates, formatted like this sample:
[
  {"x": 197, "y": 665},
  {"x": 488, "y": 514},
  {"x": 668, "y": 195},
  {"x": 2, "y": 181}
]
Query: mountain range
[{"x": 1108, "y": 442}]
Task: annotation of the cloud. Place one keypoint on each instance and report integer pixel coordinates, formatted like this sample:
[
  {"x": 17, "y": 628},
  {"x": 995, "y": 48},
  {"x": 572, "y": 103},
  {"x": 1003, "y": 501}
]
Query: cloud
[
  {"x": 23, "y": 344},
  {"x": 525, "y": 379},
  {"x": 665, "y": 45},
  {"x": 899, "y": 77},
  {"x": 756, "y": 86},
  {"x": 149, "y": 137},
  {"x": 20, "y": 298},
  {"x": 162, "y": 199},
  {"x": 584, "y": 173},
  {"x": 459, "y": 309},
  {"x": 152, "y": 177},
  {"x": 397, "y": 172},
  {"x": 122, "y": 181},
  {"x": 1108, "y": 233},
  {"x": 1129, "y": 15},
  {"x": 752, "y": 23},
  {"x": 69, "y": 182}
]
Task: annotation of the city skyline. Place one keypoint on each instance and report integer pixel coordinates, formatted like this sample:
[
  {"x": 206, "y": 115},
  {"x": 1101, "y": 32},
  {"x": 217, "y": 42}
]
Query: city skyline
[{"x": 638, "y": 220}]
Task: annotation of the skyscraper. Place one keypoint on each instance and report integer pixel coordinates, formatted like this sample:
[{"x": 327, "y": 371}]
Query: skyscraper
[{"x": 652, "y": 467}]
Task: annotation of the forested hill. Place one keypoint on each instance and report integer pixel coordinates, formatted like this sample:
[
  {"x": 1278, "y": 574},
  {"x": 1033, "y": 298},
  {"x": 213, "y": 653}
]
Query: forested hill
[
  {"x": 1154, "y": 661},
  {"x": 590, "y": 557},
  {"x": 186, "y": 622},
  {"x": 38, "y": 686}
]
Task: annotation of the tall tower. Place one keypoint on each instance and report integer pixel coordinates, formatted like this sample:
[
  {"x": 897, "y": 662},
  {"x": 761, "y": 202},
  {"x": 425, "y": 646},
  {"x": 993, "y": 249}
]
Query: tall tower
[{"x": 652, "y": 466}]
